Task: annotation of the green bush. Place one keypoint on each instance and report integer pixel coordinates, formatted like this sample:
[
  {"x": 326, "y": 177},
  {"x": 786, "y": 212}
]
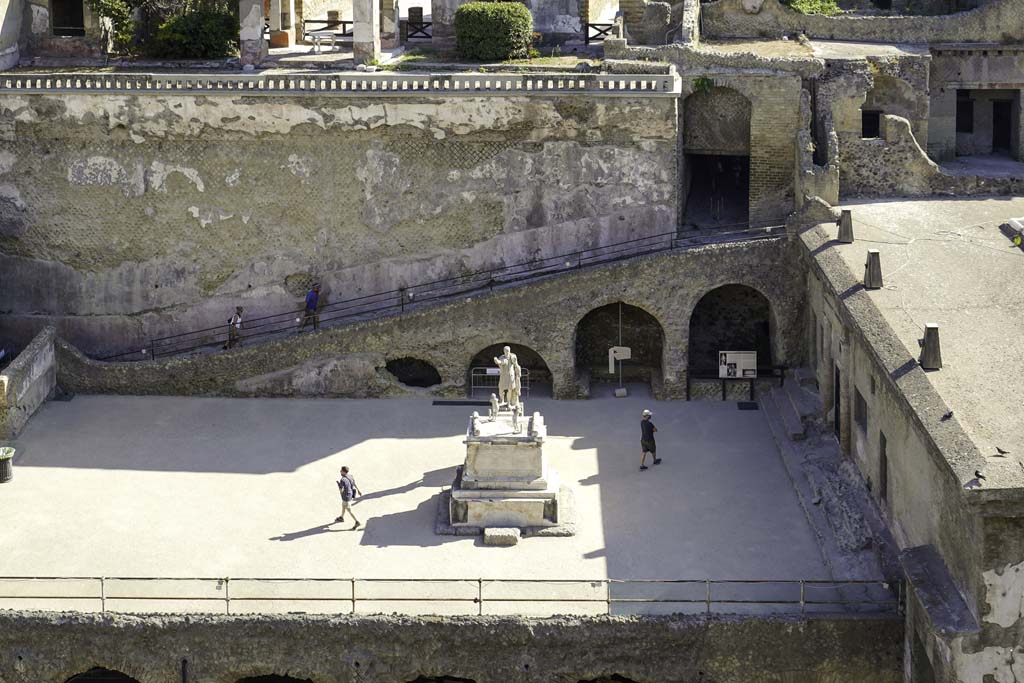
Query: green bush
[
  {"x": 119, "y": 12},
  {"x": 489, "y": 31},
  {"x": 827, "y": 7},
  {"x": 204, "y": 33}
]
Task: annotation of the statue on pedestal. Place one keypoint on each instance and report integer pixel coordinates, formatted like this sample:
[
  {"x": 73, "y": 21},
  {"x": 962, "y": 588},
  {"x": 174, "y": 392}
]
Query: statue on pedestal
[{"x": 510, "y": 379}]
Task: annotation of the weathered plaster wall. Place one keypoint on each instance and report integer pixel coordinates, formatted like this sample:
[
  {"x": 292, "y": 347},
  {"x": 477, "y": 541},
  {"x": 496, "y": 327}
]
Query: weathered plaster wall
[
  {"x": 128, "y": 217},
  {"x": 979, "y": 542},
  {"x": 543, "y": 316},
  {"x": 998, "y": 21},
  {"x": 26, "y": 383},
  {"x": 11, "y": 12},
  {"x": 49, "y": 648}
]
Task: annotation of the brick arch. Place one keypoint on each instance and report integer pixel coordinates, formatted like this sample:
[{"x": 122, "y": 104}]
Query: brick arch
[
  {"x": 529, "y": 357},
  {"x": 716, "y": 120},
  {"x": 751, "y": 303},
  {"x": 643, "y": 331}
]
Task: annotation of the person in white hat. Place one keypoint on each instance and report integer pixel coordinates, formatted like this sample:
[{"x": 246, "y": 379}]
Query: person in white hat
[{"x": 647, "y": 445}]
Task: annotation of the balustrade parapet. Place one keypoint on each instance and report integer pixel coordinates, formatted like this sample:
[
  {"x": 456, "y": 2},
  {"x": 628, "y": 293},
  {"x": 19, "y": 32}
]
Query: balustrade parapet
[{"x": 473, "y": 84}]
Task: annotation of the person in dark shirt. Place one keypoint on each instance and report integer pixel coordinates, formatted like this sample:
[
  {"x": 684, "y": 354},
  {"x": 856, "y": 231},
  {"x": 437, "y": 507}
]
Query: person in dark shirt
[
  {"x": 647, "y": 445},
  {"x": 312, "y": 312},
  {"x": 349, "y": 492}
]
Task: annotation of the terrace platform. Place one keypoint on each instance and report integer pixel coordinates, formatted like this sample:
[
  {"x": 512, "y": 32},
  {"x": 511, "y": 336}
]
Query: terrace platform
[{"x": 211, "y": 487}]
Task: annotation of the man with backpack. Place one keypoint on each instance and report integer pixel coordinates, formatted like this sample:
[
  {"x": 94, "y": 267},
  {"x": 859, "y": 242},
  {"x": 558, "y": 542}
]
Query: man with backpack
[{"x": 349, "y": 492}]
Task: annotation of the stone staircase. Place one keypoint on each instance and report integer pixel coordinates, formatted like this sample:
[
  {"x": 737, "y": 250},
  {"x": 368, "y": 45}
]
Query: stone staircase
[{"x": 797, "y": 403}]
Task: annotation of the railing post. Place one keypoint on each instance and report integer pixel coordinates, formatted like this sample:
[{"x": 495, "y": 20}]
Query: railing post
[
  {"x": 152, "y": 351},
  {"x": 707, "y": 595},
  {"x": 480, "y": 597},
  {"x": 103, "y": 594},
  {"x": 802, "y": 596},
  {"x": 353, "y": 580},
  {"x": 608, "y": 595},
  {"x": 227, "y": 596}
]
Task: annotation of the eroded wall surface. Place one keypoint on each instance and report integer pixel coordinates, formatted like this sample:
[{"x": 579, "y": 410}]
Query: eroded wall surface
[
  {"x": 45, "y": 648},
  {"x": 124, "y": 217}
]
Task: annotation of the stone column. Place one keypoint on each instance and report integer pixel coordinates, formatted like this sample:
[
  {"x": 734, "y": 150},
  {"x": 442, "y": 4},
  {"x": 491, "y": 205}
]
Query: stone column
[
  {"x": 10, "y": 30},
  {"x": 366, "y": 30},
  {"x": 442, "y": 17},
  {"x": 250, "y": 32}
]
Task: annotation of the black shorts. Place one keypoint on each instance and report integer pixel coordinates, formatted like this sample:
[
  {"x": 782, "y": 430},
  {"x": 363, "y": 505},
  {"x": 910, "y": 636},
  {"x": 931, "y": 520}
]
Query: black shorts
[{"x": 648, "y": 446}]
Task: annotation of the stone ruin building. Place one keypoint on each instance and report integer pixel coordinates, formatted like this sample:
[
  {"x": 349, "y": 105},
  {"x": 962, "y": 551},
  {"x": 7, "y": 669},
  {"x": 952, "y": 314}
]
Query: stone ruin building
[{"x": 688, "y": 181}]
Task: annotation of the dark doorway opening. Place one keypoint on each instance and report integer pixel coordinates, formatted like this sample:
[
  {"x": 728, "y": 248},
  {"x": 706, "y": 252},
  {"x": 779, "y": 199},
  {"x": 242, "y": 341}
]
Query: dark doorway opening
[
  {"x": 414, "y": 372},
  {"x": 870, "y": 124},
  {"x": 1002, "y": 124},
  {"x": 100, "y": 675},
  {"x": 964, "y": 112},
  {"x": 921, "y": 670},
  {"x": 729, "y": 318},
  {"x": 883, "y": 468},
  {"x": 718, "y": 190},
  {"x": 481, "y": 384},
  {"x": 68, "y": 17},
  {"x": 619, "y": 324}
]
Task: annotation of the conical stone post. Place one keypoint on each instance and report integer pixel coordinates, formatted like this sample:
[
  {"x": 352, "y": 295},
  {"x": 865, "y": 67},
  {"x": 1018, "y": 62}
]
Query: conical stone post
[
  {"x": 846, "y": 227},
  {"x": 873, "y": 270},
  {"x": 931, "y": 354}
]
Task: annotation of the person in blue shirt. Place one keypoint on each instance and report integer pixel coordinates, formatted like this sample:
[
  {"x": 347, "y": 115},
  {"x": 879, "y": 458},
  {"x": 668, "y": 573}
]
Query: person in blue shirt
[
  {"x": 312, "y": 312},
  {"x": 349, "y": 492}
]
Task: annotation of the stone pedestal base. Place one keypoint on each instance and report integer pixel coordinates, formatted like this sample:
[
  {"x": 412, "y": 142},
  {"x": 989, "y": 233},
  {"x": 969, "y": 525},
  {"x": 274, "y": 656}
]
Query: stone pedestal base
[{"x": 503, "y": 507}]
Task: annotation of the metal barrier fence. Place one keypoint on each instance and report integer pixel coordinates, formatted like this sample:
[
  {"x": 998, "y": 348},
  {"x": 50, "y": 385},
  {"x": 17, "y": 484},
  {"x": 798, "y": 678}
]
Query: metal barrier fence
[
  {"x": 449, "y": 596},
  {"x": 342, "y": 84},
  {"x": 486, "y": 379},
  {"x": 434, "y": 292}
]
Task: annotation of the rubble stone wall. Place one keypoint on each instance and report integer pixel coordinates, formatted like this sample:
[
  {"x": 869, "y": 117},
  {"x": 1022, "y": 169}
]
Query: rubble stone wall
[
  {"x": 50, "y": 648},
  {"x": 26, "y": 383},
  {"x": 997, "y": 21},
  {"x": 543, "y": 316}
]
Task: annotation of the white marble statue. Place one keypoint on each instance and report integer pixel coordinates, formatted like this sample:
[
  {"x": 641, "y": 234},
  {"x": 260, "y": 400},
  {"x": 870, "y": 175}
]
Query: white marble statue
[{"x": 510, "y": 379}]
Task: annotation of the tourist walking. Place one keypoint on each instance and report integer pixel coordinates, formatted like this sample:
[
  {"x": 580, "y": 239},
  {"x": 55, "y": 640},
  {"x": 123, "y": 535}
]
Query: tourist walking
[
  {"x": 647, "y": 445},
  {"x": 312, "y": 311},
  {"x": 234, "y": 329},
  {"x": 349, "y": 492}
]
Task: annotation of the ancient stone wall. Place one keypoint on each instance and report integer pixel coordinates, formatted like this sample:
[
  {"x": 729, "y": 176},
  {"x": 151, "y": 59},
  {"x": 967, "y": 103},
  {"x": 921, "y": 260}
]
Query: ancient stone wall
[
  {"x": 896, "y": 164},
  {"x": 953, "y": 69},
  {"x": 26, "y": 383},
  {"x": 927, "y": 461},
  {"x": 125, "y": 217},
  {"x": 997, "y": 21},
  {"x": 543, "y": 316},
  {"x": 50, "y": 648}
]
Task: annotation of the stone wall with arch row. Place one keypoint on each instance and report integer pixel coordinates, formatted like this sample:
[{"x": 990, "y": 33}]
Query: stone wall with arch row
[{"x": 351, "y": 361}]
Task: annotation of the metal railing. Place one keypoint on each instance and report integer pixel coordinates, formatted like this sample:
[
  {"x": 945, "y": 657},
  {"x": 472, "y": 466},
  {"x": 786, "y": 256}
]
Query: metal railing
[
  {"x": 418, "y": 29},
  {"x": 449, "y": 596},
  {"x": 596, "y": 33},
  {"x": 434, "y": 292},
  {"x": 650, "y": 85},
  {"x": 487, "y": 379},
  {"x": 340, "y": 28}
]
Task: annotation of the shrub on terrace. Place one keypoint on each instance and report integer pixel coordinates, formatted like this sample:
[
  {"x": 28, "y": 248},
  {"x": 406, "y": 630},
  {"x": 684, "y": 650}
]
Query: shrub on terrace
[
  {"x": 489, "y": 31},
  {"x": 829, "y": 8},
  {"x": 206, "y": 32}
]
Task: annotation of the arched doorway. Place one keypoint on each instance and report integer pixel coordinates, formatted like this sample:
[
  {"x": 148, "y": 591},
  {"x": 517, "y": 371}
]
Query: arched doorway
[
  {"x": 715, "y": 178},
  {"x": 101, "y": 675},
  {"x": 482, "y": 380},
  {"x": 729, "y": 318},
  {"x": 619, "y": 324}
]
